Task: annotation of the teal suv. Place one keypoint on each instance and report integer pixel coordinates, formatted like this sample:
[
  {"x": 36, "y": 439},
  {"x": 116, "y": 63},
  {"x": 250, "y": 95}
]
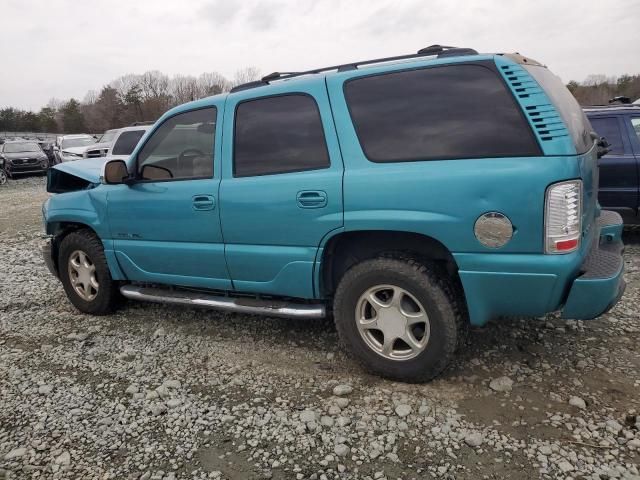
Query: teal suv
[{"x": 408, "y": 197}]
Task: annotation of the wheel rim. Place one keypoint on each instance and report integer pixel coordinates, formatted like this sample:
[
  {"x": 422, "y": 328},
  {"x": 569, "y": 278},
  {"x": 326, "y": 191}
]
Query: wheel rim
[
  {"x": 392, "y": 322},
  {"x": 3, "y": 177},
  {"x": 82, "y": 274}
]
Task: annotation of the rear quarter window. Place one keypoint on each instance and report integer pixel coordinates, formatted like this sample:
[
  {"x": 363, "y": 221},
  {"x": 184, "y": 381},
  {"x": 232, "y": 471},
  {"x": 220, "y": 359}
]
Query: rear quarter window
[{"x": 437, "y": 113}]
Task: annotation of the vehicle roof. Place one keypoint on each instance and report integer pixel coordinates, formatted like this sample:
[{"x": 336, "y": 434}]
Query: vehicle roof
[
  {"x": 618, "y": 109},
  {"x": 21, "y": 141},
  {"x": 75, "y": 135},
  {"x": 136, "y": 127},
  {"x": 434, "y": 54}
]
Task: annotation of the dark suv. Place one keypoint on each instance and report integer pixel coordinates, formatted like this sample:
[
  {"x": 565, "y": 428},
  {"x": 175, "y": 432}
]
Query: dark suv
[{"x": 619, "y": 174}]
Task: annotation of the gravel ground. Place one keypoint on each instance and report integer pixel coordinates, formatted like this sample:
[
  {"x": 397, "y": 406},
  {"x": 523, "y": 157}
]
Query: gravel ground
[{"x": 157, "y": 392}]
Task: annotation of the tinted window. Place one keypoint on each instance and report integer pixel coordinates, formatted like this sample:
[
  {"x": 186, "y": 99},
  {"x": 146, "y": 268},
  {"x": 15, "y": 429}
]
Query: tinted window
[
  {"x": 182, "y": 147},
  {"x": 126, "y": 142},
  {"x": 609, "y": 128},
  {"x": 567, "y": 106},
  {"x": 459, "y": 111},
  {"x": 278, "y": 135}
]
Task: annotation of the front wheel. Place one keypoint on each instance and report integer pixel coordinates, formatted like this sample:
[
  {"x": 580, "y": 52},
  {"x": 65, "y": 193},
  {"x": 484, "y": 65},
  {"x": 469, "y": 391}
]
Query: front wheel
[
  {"x": 85, "y": 275},
  {"x": 3, "y": 177},
  {"x": 401, "y": 319}
]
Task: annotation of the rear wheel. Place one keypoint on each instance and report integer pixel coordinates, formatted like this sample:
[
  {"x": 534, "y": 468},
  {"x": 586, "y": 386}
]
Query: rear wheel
[
  {"x": 401, "y": 319},
  {"x": 85, "y": 275}
]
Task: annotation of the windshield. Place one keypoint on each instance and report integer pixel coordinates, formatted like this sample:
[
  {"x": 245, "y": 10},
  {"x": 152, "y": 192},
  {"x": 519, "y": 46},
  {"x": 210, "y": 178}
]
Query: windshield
[
  {"x": 21, "y": 147},
  {"x": 107, "y": 137},
  {"x": 77, "y": 142}
]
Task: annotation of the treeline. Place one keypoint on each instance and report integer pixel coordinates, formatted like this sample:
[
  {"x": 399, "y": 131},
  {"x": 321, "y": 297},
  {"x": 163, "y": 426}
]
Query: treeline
[
  {"x": 130, "y": 98},
  {"x": 599, "y": 89}
]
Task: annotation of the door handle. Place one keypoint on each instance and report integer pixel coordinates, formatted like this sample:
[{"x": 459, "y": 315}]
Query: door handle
[
  {"x": 204, "y": 202},
  {"x": 311, "y": 199}
]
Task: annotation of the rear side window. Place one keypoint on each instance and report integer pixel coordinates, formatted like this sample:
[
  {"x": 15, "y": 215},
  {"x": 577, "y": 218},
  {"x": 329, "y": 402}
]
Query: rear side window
[
  {"x": 567, "y": 106},
  {"x": 278, "y": 135},
  {"x": 609, "y": 128},
  {"x": 127, "y": 141},
  {"x": 454, "y": 111}
]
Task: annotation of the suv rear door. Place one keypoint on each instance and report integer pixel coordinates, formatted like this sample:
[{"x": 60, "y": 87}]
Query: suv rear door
[
  {"x": 281, "y": 189},
  {"x": 619, "y": 168}
]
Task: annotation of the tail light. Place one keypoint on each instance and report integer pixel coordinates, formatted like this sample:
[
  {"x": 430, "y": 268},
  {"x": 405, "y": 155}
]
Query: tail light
[{"x": 563, "y": 217}]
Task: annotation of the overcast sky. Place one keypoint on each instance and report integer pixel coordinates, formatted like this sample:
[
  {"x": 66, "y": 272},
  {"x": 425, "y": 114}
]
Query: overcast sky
[{"x": 63, "y": 48}]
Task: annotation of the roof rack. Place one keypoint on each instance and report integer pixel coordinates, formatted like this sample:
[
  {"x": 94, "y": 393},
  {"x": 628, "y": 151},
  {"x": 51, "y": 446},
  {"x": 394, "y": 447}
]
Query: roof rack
[
  {"x": 140, "y": 124},
  {"x": 432, "y": 50}
]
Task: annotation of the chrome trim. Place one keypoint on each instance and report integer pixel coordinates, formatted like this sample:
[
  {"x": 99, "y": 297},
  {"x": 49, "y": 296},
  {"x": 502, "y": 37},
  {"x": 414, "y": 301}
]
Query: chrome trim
[{"x": 275, "y": 308}]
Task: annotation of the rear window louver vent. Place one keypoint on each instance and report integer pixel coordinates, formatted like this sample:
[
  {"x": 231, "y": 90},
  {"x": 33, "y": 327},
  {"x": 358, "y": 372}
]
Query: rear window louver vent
[{"x": 541, "y": 113}]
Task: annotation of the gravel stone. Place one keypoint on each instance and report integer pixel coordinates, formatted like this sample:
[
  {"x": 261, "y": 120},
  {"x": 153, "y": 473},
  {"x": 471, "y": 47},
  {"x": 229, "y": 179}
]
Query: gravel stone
[
  {"x": 403, "y": 410},
  {"x": 501, "y": 384},
  {"x": 577, "y": 402},
  {"x": 340, "y": 390}
]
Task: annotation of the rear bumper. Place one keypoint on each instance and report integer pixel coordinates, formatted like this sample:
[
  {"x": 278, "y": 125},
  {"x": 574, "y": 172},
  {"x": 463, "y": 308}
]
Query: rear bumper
[
  {"x": 601, "y": 283},
  {"x": 583, "y": 284}
]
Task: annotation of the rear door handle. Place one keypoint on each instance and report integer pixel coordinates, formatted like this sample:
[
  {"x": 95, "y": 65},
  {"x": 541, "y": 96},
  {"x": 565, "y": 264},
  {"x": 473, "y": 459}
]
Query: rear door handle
[
  {"x": 311, "y": 199},
  {"x": 204, "y": 202}
]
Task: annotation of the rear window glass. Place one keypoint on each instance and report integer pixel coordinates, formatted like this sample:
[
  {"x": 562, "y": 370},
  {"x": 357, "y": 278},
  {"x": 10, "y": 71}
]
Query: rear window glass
[
  {"x": 126, "y": 142},
  {"x": 437, "y": 113},
  {"x": 567, "y": 106},
  {"x": 609, "y": 128}
]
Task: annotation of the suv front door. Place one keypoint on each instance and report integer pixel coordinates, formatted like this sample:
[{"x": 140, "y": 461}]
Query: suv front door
[
  {"x": 618, "y": 168},
  {"x": 166, "y": 226},
  {"x": 281, "y": 190}
]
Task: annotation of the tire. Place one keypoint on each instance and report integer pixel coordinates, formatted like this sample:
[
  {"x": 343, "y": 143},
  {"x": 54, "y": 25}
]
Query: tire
[
  {"x": 99, "y": 293},
  {"x": 422, "y": 288},
  {"x": 3, "y": 177}
]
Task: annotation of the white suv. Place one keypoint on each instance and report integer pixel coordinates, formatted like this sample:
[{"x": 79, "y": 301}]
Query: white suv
[{"x": 117, "y": 143}]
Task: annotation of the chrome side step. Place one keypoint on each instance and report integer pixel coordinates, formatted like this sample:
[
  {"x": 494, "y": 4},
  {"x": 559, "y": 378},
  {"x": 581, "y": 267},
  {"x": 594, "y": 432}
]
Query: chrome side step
[{"x": 275, "y": 308}]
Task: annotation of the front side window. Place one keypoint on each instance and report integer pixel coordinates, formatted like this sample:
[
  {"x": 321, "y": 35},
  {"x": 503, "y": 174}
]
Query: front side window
[
  {"x": 609, "y": 128},
  {"x": 181, "y": 148},
  {"x": 126, "y": 142},
  {"x": 437, "y": 113},
  {"x": 278, "y": 135}
]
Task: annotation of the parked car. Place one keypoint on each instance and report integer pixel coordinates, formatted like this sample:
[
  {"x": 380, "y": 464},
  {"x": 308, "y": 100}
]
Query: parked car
[
  {"x": 117, "y": 143},
  {"x": 23, "y": 157},
  {"x": 72, "y": 147},
  {"x": 409, "y": 196},
  {"x": 619, "y": 169}
]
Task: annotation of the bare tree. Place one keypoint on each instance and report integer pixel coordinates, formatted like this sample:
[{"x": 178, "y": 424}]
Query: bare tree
[{"x": 246, "y": 75}]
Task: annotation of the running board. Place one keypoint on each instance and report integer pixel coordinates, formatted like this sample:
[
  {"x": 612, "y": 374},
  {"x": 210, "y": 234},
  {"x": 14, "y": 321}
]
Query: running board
[{"x": 274, "y": 308}]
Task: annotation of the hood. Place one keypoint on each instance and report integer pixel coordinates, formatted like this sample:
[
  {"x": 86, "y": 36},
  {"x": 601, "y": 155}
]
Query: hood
[
  {"x": 89, "y": 169},
  {"x": 97, "y": 146},
  {"x": 78, "y": 150}
]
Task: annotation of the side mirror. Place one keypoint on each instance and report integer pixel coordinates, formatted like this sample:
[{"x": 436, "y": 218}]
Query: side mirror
[{"x": 115, "y": 172}]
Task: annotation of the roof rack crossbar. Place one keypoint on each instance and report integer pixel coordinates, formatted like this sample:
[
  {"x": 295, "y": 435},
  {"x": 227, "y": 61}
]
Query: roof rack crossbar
[{"x": 432, "y": 50}]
